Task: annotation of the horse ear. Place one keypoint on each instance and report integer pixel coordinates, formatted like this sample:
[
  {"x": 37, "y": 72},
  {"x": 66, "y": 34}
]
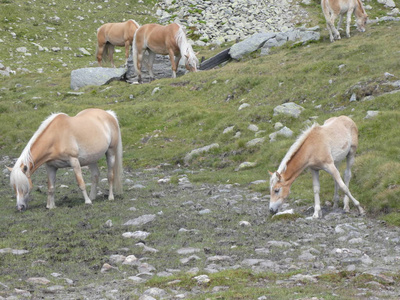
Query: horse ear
[
  {"x": 9, "y": 169},
  {"x": 278, "y": 175},
  {"x": 270, "y": 173}
]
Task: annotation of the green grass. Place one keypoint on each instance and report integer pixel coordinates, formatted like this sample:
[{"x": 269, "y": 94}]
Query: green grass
[{"x": 190, "y": 112}]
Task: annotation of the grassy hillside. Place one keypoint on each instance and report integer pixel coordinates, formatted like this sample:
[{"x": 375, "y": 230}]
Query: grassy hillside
[{"x": 192, "y": 111}]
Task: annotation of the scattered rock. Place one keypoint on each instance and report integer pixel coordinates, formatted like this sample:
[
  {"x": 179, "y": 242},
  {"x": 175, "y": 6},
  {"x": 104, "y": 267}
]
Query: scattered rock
[
  {"x": 291, "y": 109},
  {"x": 142, "y": 220},
  {"x": 95, "y": 76},
  {"x": 199, "y": 151}
]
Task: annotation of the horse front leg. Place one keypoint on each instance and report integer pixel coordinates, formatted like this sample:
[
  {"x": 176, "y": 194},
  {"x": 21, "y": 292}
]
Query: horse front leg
[
  {"x": 51, "y": 181},
  {"x": 316, "y": 187},
  {"x": 348, "y": 21},
  {"x": 79, "y": 178},
  {"x": 173, "y": 65},
  {"x": 127, "y": 44},
  {"x": 94, "y": 170},
  {"x": 99, "y": 54}
]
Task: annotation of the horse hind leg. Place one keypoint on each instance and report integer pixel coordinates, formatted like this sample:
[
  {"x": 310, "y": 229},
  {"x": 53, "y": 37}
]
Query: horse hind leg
[
  {"x": 336, "y": 193},
  {"x": 111, "y": 54},
  {"x": 150, "y": 62},
  {"x": 94, "y": 170},
  {"x": 331, "y": 169},
  {"x": 110, "y": 173}
]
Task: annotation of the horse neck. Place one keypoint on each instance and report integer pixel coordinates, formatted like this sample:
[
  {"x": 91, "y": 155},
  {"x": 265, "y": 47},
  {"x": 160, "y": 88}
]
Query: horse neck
[
  {"x": 40, "y": 153},
  {"x": 297, "y": 164}
]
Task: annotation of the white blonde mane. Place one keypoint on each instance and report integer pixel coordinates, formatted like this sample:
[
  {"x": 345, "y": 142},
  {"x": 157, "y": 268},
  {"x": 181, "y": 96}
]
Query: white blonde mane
[
  {"x": 184, "y": 46},
  {"x": 25, "y": 157},
  {"x": 136, "y": 23},
  {"x": 18, "y": 179},
  {"x": 293, "y": 149}
]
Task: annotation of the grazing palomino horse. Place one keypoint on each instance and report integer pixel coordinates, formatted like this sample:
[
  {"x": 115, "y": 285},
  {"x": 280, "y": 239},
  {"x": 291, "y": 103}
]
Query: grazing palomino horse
[
  {"x": 318, "y": 148},
  {"x": 114, "y": 34},
  {"x": 334, "y": 8},
  {"x": 165, "y": 40},
  {"x": 62, "y": 141}
]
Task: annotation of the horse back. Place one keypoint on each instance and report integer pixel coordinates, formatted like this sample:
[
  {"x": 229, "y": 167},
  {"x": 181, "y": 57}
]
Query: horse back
[
  {"x": 158, "y": 38},
  {"x": 117, "y": 33},
  {"x": 90, "y": 131},
  {"x": 341, "y": 133},
  {"x": 338, "y": 7}
]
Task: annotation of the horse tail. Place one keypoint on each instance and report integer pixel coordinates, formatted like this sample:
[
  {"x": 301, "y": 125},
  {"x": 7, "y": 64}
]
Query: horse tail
[
  {"x": 117, "y": 182},
  {"x": 135, "y": 51},
  {"x": 106, "y": 51}
]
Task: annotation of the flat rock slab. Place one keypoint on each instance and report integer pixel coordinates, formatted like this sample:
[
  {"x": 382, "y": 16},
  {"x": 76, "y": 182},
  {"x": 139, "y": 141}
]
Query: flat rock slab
[
  {"x": 95, "y": 76},
  {"x": 141, "y": 220}
]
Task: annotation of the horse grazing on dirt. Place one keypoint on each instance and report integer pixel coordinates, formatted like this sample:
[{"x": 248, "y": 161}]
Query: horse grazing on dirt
[
  {"x": 334, "y": 8},
  {"x": 165, "y": 40},
  {"x": 62, "y": 141},
  {"x": 318, "y": 148},
  {"x": 114, "y": 34}
]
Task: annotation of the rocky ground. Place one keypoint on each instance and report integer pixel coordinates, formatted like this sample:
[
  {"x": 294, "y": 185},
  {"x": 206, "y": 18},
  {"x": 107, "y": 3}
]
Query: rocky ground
[{"x": 205, "y": 228}]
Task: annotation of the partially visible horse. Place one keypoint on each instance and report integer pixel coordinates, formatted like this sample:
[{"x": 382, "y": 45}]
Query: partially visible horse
[
  {"x": 165, "y": 40},
  {"x": 334, "y": 8},
  {"x": 62, "y": 141},
  {"x": 114, "y": 34},
  {"x": 318, "y": 148}
]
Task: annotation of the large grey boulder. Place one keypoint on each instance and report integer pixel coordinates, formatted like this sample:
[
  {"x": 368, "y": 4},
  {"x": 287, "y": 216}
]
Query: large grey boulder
[
  {"x": 95, "y": 76},
  {"x": 250, "y": 45},
  {"x": 291, "y": 109}
]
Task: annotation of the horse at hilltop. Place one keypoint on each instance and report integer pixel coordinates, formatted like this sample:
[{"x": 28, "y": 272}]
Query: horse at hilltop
[
  {"x": 63, "y": 142},
  {"x": 114, "y": 34},
  {"x": 334, "y": 8},
  {"x": 165, "y": 40},
  {"x": 318, "y": 148}
]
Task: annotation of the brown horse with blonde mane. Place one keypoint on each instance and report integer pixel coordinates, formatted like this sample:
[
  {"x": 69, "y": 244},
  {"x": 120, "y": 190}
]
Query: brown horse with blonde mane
[
  {"x": 63, "y": 142},
  {"x": 334, "y": 8},
  {"x": 165, "y": 40},
  {"x": 114, "y": 34},
  {"x": 318, "y": 148}
]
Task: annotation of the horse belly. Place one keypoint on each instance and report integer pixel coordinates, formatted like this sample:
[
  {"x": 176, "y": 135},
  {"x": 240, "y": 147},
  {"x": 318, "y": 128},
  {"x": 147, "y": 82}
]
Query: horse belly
[
  {"x": 340, "y": 153},
  {"x": 88, "y": 157}
]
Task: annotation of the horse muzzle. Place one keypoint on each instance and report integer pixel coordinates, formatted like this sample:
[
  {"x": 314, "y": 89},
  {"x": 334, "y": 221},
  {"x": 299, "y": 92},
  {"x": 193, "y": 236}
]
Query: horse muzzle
[
  {"x": 273, "y": 211},
  {"x": 274, "y": 206},
  {"x": 21, "y": 208}
]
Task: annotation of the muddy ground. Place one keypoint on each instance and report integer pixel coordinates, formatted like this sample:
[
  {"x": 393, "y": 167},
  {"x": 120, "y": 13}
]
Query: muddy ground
[{"x": 200, "y": 229}]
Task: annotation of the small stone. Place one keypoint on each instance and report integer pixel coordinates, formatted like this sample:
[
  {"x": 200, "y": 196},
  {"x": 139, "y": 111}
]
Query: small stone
[
  {"x": 243, "y": 106},
  {"x": 107, "y": 267},
  {"x": 38, "y": 280},
  {"x": 244, "y": 224},
  {"x": 202, "y": 279}
]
